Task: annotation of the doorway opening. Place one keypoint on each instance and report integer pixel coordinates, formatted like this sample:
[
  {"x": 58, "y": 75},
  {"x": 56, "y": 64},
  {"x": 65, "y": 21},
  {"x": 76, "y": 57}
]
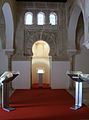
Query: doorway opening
[{"x": 41, "y": 65}]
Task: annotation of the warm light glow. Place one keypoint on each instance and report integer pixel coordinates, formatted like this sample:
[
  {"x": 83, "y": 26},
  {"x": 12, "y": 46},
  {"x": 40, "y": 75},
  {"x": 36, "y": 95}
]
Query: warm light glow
[
  {"x": 40, "y": 71},
  {"x": 40, "y": 49},
  {"x": 40, "y": 62}
]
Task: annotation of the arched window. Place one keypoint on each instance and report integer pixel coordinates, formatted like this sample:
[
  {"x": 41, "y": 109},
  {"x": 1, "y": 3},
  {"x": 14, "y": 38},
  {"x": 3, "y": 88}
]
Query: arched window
[
  {"x": 53, "y": 18},
  {"x": 40, "y": 18},
  {"x": 28, "y": 18}
]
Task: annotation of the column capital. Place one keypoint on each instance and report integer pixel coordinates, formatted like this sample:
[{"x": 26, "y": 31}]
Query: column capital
[
  {"x": 72, "y": 52},
  {"x": 9, "y": 52}
]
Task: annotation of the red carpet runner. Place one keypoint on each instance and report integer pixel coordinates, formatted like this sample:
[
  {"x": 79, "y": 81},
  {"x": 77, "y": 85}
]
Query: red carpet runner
[{"x": 43, "y": 104}]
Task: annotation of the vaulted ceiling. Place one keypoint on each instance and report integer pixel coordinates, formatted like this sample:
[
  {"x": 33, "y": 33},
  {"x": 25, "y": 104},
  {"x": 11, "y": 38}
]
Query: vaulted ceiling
[{"x": 42, "y": 1}]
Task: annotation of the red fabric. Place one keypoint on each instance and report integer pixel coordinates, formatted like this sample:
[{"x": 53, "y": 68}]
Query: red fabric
[
  {"x": 43, "y": 86},
  {"x": 43, "y": 104}
]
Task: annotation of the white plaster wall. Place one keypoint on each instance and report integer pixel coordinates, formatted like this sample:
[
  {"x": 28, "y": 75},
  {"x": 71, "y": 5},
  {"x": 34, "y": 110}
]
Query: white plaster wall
[
  {"x": 59, "y": 79},
  {"x": 23, "y": 80}
]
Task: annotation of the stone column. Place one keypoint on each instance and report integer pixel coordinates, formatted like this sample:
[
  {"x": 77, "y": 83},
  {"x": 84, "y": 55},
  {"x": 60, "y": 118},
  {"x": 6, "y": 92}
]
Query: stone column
[
  {"x": 9, "y": 53},
  {"x": 35, "y": 18},
  {"x": 72, "y": 54}
]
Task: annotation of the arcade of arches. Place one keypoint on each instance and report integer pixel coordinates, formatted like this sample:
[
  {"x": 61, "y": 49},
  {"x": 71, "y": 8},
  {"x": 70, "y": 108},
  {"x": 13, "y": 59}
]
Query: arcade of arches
[{"x": 56, "y": 45}]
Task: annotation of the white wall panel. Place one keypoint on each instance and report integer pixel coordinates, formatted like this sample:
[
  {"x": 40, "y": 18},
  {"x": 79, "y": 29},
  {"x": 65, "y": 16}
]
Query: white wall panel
[
  {"x": 59, "y": 79},
  {"x": 23, "y": 80}
]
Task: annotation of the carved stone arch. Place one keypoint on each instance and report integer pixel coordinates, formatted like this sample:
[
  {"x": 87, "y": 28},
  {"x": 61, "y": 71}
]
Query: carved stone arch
[
  {"x": 6, "y": 8},
  {"x": 79, "y": 32},
  {"x": 50, "y": 38},
  {"x": 32, "y": 36},
  {"x": 72, "y": 27}
]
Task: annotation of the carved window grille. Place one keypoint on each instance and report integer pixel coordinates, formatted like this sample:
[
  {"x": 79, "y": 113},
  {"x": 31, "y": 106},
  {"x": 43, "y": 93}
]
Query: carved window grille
[
  {"x": 28, "y": 18},
  {"x": 40, "y": 18},
  {"x": 53, "y": 18}
]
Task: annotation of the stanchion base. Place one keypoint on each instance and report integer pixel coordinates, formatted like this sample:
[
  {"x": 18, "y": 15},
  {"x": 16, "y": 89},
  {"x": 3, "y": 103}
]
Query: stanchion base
[
  {"x": 75, "y": 107},
  {"x": 8, "y": 109}
]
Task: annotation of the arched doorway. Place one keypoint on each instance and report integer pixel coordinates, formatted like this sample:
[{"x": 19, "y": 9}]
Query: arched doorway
[{"x": 41, "y": 64}]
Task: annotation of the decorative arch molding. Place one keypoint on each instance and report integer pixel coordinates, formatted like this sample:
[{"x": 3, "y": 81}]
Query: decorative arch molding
[
  {"x": 30, "y": 37},
  {"x": 72, "y": 27},
  {"x": 40, "y": 49},
  {"x": 7, "y": 12}
]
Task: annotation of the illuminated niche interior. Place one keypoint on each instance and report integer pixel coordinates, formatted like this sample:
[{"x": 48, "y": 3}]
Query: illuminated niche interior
[{"x": 41, "y": 62}]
